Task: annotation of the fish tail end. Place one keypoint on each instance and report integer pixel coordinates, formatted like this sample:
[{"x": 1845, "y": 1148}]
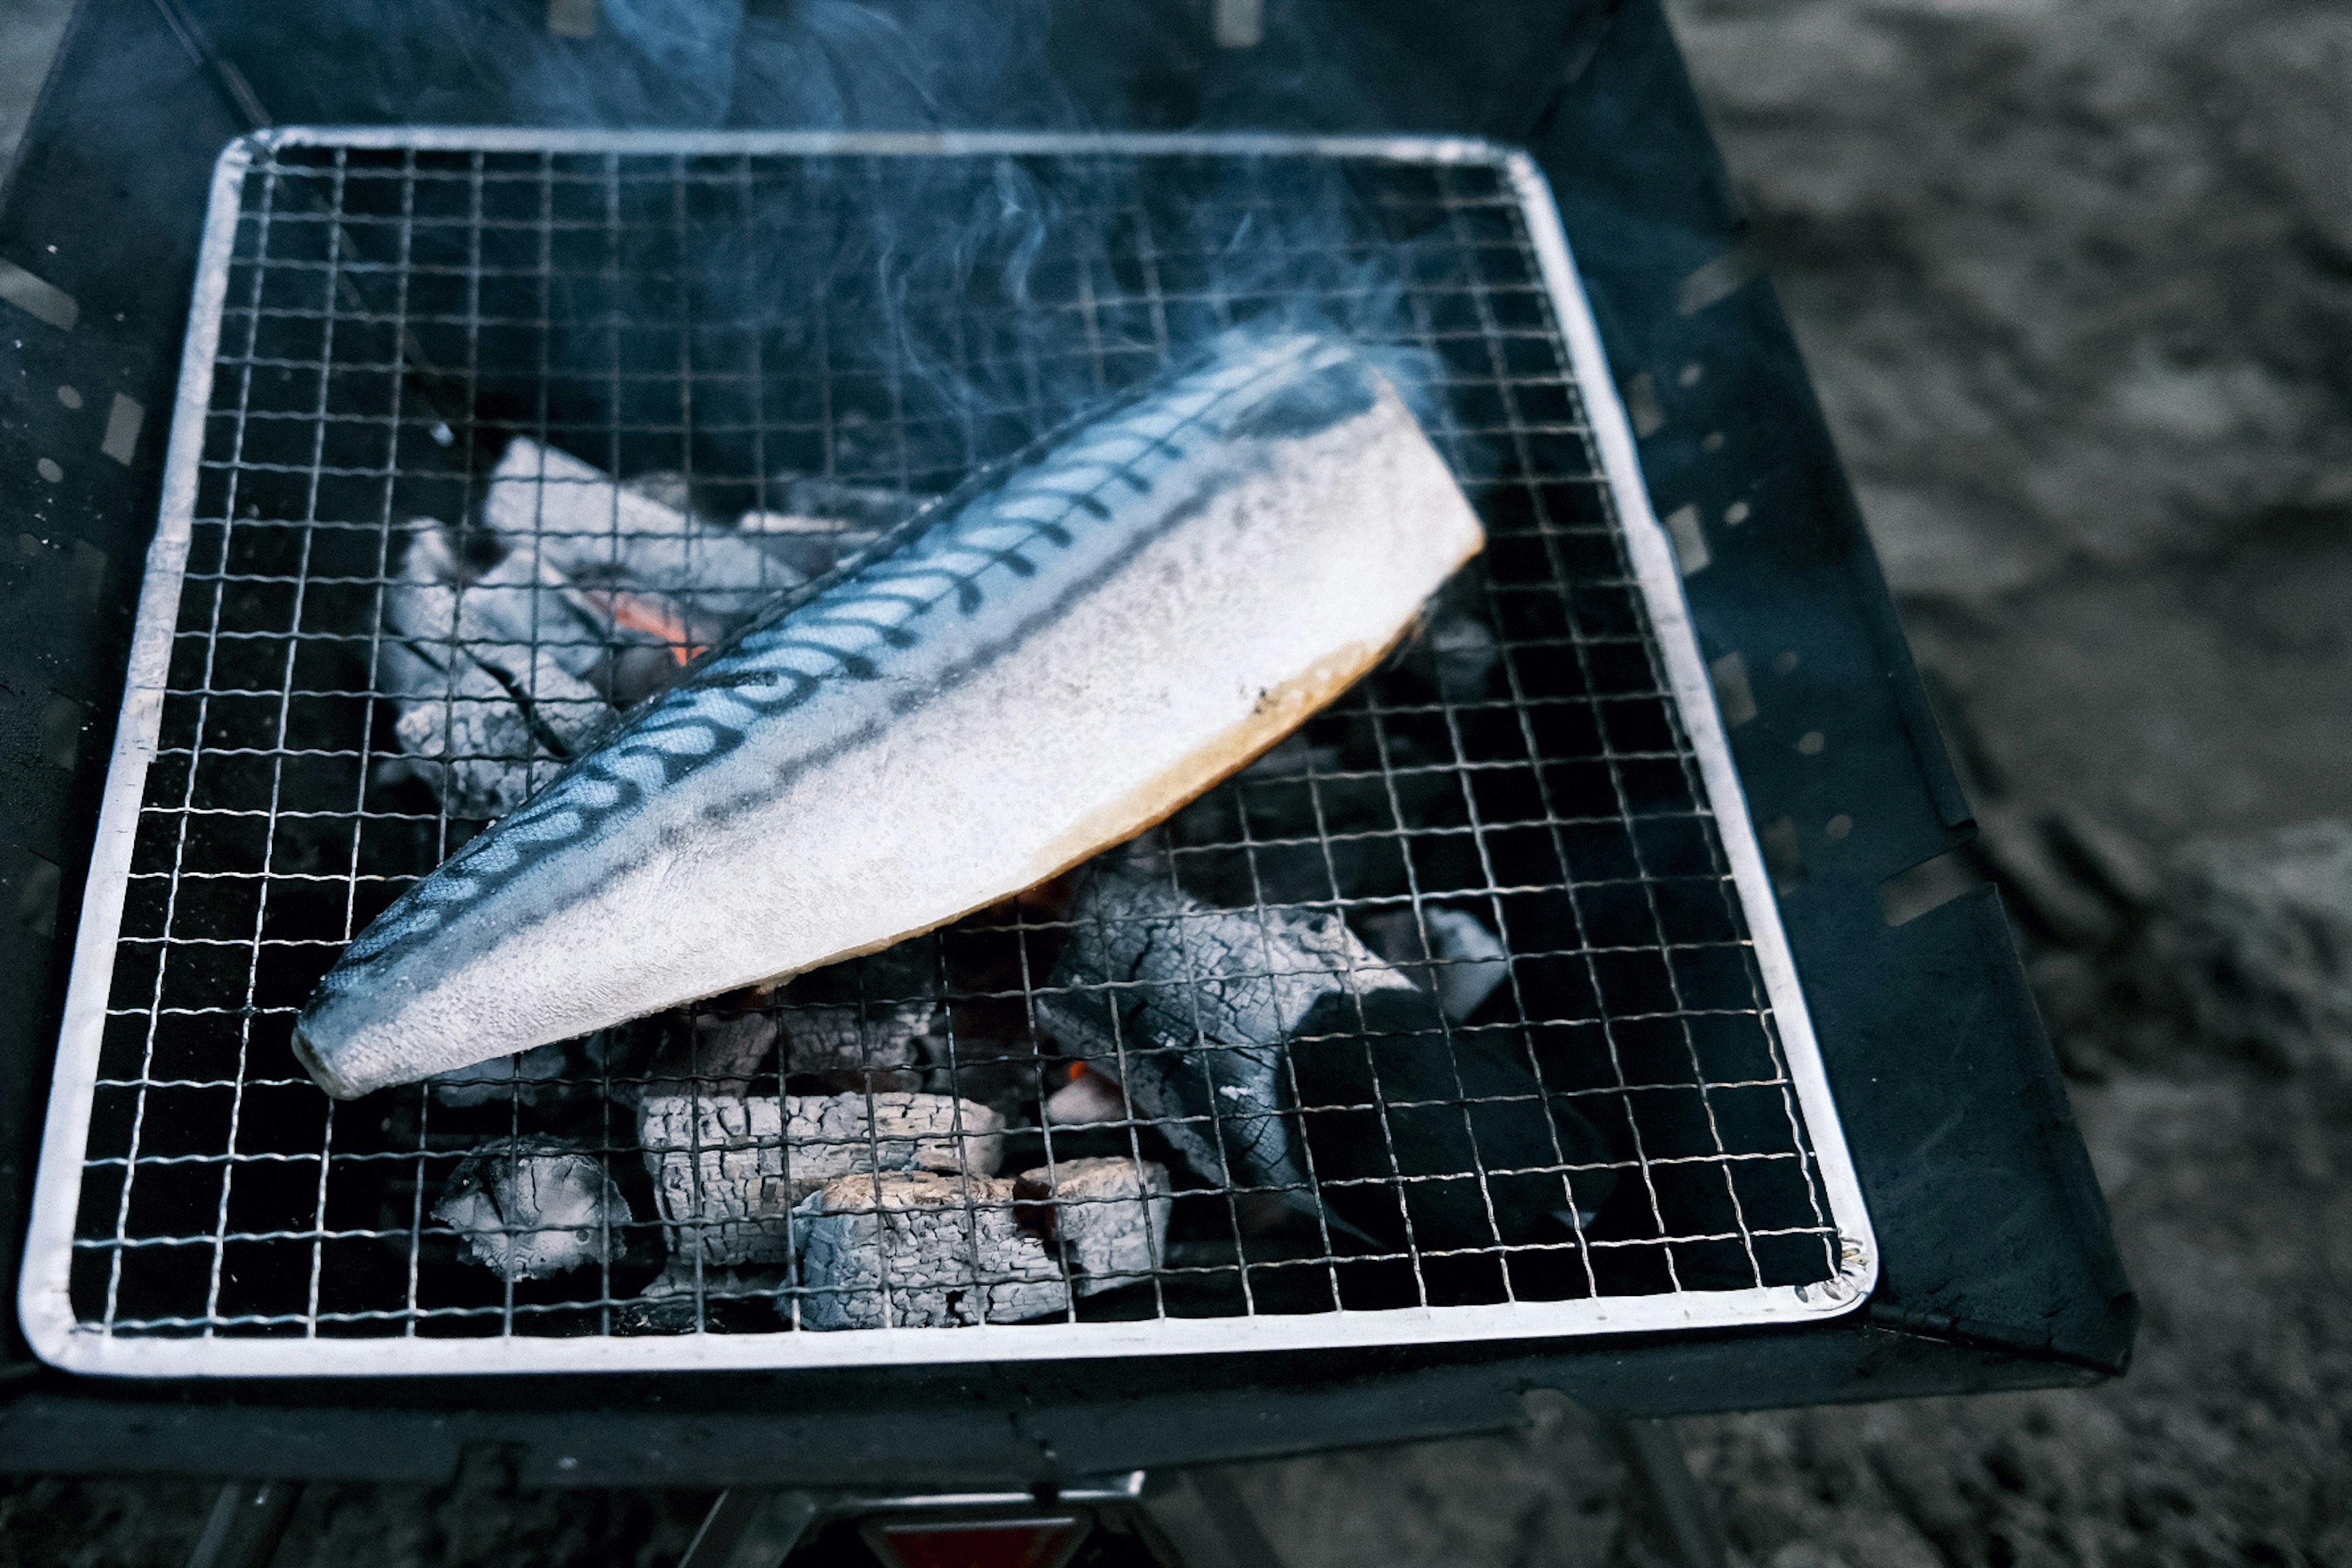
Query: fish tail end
[{"x": 334, "y": 1083}]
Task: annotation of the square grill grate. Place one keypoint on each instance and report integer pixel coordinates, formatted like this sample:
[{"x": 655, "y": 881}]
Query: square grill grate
[{"x": 383, "y": 321}]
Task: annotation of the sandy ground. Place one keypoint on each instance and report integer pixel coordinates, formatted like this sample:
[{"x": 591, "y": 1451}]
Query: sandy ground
[{"x": 2075, "y": 281}]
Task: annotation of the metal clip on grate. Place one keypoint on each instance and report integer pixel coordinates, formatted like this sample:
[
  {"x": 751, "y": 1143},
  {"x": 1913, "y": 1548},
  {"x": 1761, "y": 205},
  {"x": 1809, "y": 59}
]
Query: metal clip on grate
[{"x": 1465, "y": 1014}]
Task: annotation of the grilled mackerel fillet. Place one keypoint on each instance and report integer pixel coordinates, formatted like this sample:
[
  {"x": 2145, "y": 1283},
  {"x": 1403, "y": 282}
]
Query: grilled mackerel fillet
[{"x": 1043, "y": 663}]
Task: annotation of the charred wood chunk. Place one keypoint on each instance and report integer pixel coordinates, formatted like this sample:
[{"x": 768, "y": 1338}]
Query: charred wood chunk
[
  {"x": 716, "y": 1053},
  {"x": 527, "y": 1208},
  {"x": 727, "y": 1168},
  {"x": 866, "y": 1024},
  {"x": 1264, "y": 1042},
  {"x": 1109, "y": 1218},
  {"x": 1188, "y": 1007},
  {"x": 920, "y": 1249},
  {"x": 1449, "y": 952},
  {"x": 548, "y": 505}
]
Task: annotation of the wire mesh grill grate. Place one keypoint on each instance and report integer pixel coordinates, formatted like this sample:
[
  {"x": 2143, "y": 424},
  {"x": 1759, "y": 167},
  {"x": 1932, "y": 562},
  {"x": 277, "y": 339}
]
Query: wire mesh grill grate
[{"x": 1510, "y": 818}]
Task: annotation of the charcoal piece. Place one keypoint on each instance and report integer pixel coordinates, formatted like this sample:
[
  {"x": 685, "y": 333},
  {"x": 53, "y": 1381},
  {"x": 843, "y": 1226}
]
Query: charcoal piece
[
  {"x": 677, "y": 1303},
  {"x": 1187, "y": 1006},
  {"x": 530, "y": 1207},
  {"x": 515, "y": 616},
  {"x": 1107, "y": 1217},
  {"x": 871, "y": 1018},
  {"x": 918, "y": 1249},
  {"x": 550, "y": 507},
  {"x": 1088, "y": 1099},
  {"x": 486, "y": 705},
  {"x": 727, "y": 1168},
  {"x": 1449, "y": 953},
  {"x": 882, "y": 1043},
  {"x": 1257, "y": 1041},
  {"x": 715, "y": 1053},
  {"x": 460, "y": 730}
]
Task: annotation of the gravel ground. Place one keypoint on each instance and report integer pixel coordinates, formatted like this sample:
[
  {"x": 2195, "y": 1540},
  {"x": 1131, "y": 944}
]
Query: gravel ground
[{"x": 2075, "y": 281}]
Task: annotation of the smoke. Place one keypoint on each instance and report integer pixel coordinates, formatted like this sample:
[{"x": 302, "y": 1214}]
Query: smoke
[{"x": 918, "y": 314}]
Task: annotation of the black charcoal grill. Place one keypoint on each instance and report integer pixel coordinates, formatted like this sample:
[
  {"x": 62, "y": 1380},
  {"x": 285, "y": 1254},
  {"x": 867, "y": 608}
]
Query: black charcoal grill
[
  {"x": 1613, "y": 799},
  {"x": 1546, "y": 767}
]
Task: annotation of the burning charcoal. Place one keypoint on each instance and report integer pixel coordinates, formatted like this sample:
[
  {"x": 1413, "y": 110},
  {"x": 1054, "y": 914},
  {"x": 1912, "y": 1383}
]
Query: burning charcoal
[
  {"x": 479, "y": 669},
  {"x": 1109, "y": 1217},
  {"x": 467, "y": 740},
  {"x": 529, "y": 1207},
  {"x": 1461, "y": 959},
  {"x": 1088, "y": 1099},
  {"x": 512, "y": 618},
  {"x": 1205, "y": 999},
  {"x": 547, "y": 505},
  {"x": 915, "y": 1249},
  {"x": 728, "y": 1169},
  {"x": 717, "y": 1053},
  {"x": 1212, "y": 1015}
]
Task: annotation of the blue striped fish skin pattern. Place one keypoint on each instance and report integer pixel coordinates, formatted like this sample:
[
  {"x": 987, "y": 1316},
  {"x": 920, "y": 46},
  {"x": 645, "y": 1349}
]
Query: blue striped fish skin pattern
[{"x": 952, "y": 591}]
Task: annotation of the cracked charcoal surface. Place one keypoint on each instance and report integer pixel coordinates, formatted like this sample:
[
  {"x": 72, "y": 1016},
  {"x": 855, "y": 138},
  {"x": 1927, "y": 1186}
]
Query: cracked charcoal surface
[
  {"x": 529, "y": 1208},
  {"x": 1108, "y": 1217},
  {"x": 728, "y": 1169},
  {"x": 918, "y": 1249}
]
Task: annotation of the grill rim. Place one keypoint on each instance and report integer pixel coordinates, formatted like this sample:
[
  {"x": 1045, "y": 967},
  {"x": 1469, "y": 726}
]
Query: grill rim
[{"x": 45, "y": 1307}]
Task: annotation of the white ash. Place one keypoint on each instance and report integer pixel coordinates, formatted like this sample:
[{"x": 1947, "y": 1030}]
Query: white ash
[
  {"x": 1107, "y": 1217},
  {"x": 515, "y": 615},
  {"x": 918, "y": 1249},
  {"x": 528, "y": 1208},
  {"x": 727, "y": 1168},
  {"x": 1205, "y": 1000},
  {"x": 1459, "y": 959},
  {"x": 2255, "y": 937},
  {"x": 861, "y": 1040},
  {"x": 487, "y": 708},
  {"x": 1089, "y": 1099},
  {"x": 550, "y": 506}
]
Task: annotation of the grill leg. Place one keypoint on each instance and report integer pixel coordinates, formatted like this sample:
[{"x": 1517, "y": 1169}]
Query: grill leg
[
  {"x": 1666, "y": 1489},
  {"x": 248, "y": 1520},
  {"x": 750, "y": 1526}
]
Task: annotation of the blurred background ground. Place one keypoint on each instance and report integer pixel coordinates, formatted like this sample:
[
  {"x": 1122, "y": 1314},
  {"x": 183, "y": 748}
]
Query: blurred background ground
[{"x": 2074, "y": 278}]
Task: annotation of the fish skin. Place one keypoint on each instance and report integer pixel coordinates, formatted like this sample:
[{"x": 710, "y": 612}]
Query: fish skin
[{"x": 1046, "y": 662}]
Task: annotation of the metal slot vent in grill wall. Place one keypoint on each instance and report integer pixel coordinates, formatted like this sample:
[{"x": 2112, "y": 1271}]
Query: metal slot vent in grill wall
[{"x": 1529, "y": 1056}]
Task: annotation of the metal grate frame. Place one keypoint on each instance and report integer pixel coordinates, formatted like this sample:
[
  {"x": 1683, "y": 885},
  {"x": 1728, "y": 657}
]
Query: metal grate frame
[{"x": 203, "y": 1210}]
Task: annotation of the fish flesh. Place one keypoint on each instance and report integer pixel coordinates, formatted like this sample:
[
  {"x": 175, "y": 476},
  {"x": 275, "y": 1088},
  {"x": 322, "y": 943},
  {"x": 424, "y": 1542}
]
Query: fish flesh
[
  {"x": 1043, "y": 663},
  {"x": 1188, "y": 1007}
]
